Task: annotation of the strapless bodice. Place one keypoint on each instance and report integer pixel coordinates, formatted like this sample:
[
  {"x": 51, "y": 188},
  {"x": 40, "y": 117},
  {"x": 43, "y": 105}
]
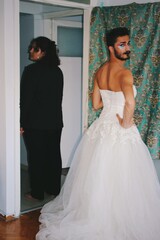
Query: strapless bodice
[{"x": 113, "y": 102}]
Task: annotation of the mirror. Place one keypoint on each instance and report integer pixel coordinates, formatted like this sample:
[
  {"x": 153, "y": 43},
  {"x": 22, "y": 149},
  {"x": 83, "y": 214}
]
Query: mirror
[{"x": 57, "y": 23}]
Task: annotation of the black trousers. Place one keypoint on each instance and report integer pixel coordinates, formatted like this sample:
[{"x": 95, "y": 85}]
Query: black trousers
[{"x": 44, "y": 161}]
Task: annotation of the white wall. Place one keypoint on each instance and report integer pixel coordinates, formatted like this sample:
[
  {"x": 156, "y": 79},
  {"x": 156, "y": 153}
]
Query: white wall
[
  {"x": 3, "y": 117},
  {"x": 72, "y": 107}
]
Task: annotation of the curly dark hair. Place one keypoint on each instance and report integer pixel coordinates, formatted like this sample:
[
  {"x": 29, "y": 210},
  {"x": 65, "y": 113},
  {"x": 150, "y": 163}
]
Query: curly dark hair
[
  {"x": 48, "y": 46},
  {"x": 114, "y": 33}
]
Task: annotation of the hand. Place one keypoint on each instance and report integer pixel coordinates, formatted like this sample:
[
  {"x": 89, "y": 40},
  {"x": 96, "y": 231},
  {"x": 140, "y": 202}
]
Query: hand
[
  {"x": 124, "y": 125},
  {"x": 119, "y": 119},
  {"x": 21, "y": 131}
]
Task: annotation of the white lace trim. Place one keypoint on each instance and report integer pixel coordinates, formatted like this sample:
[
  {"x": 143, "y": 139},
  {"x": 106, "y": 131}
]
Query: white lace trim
[{"x": 113, "y": 130}]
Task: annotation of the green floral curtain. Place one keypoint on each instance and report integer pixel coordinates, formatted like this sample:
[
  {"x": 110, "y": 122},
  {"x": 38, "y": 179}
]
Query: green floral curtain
[{"x": 143, "y": 20}]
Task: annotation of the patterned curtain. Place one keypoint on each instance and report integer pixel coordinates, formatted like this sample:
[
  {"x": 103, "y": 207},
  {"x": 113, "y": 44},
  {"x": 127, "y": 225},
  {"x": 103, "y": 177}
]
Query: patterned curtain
[{"x": 143, "y": 21}]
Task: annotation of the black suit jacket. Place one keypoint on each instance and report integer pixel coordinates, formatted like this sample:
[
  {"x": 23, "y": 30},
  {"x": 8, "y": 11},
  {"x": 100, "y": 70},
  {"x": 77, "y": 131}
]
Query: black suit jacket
[{"x": 41, "y": 94}]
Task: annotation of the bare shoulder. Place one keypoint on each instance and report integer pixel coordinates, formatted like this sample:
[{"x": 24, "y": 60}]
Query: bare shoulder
[
  {"x": 101, "y": 71},
  {"x": 126, "y": 77}
]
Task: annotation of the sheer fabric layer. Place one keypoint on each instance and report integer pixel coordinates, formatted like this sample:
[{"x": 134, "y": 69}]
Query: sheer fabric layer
[{"x": 111, "y": 191}]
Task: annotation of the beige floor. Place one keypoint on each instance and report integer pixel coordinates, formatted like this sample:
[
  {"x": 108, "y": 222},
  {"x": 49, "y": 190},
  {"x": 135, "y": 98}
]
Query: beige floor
[{"x": 30, "y": 205}]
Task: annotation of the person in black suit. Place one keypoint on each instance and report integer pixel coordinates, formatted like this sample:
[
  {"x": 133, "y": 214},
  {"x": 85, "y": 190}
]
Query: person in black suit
[{"x": 41, "y": 120}]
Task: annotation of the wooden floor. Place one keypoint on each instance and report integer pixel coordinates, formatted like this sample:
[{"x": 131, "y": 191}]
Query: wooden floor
[{"x": 23, "y": 228}]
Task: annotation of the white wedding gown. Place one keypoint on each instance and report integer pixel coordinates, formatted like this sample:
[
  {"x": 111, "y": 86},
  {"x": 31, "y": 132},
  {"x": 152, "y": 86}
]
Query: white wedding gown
[{"x": 112, "y": 191}]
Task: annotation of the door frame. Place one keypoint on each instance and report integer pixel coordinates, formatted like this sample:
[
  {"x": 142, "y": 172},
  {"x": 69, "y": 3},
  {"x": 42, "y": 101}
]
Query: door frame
[{"x": 85, "y": 66}]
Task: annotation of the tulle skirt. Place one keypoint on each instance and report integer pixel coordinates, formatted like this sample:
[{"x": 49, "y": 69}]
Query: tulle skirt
[{"x": 111, "y": 191}]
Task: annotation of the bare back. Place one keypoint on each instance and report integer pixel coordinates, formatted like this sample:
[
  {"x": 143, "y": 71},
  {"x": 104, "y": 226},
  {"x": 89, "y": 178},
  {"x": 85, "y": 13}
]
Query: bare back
[
  {"x": 110, "y": 77},
  {"x": 114, "y": 77}
]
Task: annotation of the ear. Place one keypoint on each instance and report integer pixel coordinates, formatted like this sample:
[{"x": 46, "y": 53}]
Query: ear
[{"x": 111, "y": 50}]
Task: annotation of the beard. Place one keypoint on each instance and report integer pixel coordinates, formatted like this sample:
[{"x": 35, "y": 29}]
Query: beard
[{"x": 120, "y": 56}]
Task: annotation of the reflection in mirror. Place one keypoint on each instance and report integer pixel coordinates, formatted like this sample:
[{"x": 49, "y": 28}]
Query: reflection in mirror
[{"x": 58, "y": 23}]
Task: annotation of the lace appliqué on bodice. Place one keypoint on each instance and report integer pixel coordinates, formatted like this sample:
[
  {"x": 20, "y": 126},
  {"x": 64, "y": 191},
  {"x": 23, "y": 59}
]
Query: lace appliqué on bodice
[{"x": 107, "y": 124}]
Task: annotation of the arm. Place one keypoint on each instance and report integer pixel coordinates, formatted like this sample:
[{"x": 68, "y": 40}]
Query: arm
[
  {"x": 96, "y": 97},
  {"x": 127, "y": 88}
]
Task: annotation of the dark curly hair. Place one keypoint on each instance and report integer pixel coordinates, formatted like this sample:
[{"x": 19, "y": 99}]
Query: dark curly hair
[
  {"x": 51, "y": 57},
  {"x": 114, "y": 33}
]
